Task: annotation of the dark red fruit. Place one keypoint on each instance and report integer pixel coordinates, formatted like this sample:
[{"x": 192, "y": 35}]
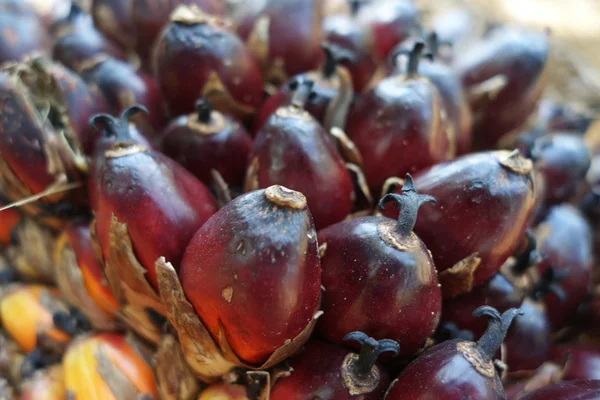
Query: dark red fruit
[
  {"x": 367, "y": 263},
  {"x": 292, "y": 149},
  {"x": 344, "y": 31},
  {"x": 325, "y": 371},
  {"x": 391, "y": 21},
  {"x": 457, "y": 369},
  {"x": 197, "y": 54},
  {"x": 528, "y": 382},
  {"x": 495, "y": 187},
  {"x": 563, "y": 160},
  {"x": 406, "y": 113},
  {"x": 208, "y": 140},
  {"x": 252, "y": 272},
  {"x": 555, "y": 116},
  {"x": 581, "y": 389},
  {"x": 148, "y": 18},
  {"x": 284, "y": 36},
  {"x": 78, "y": 40},
  {"x": 580, "y": 361},
  {"x": 162, "y": 204},
  {"x": 504, "y": 77},
  {"x": 21, "y": 31},
  {"x": 112, "y": 18},
  {"x": 331, "y": 92},
  {"x": 565, "y": 240},
  {"x": 123, "y": 86},
  {"x": 447, "y": 83}
]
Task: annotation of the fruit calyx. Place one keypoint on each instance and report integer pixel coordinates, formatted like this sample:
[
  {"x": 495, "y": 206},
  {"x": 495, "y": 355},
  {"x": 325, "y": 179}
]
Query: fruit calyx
[
  {"x": 303, "y": 93},
  {"x": 334, "y": 55},
  {"x": 359, "y": 372},
  {"x": 284, "y": 197},
  {"x": 489, "y": 343},
  {"x": 408, "y": 203},
  {"x": 192, "y": 14},
  {"x": 206, "y": 121},
  {"x": 119, "y": 129}
]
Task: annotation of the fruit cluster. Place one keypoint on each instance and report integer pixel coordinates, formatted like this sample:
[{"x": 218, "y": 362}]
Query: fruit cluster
[{"x": 290, "y": 200}]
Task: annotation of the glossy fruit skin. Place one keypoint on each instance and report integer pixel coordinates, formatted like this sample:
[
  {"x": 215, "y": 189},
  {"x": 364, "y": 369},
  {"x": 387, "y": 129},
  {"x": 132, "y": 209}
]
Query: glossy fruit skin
[
  {"x": 293, "y": 150},
  {"x": 200, "y": 56},
  {"x": 450, "y": 89},
  {"x": 443, "y": 372},
  {"x": 345, "y": 32},
  {"x": 221, "y": 144},
  {"x": 317, "y": 375},
  {"x": 406, "y": 114},
  {"x": 391, "y": 21},
  {"x": 123, "y": 86},
  {"x": 491, "y": 189},
  {"x": 21, "y": 31},
  {"x": 134, "y": 189},
  {"x": 112, "y": 18},
  {"x": 285, "y": 36},
  {"x": 564, "y": 160},
  {"x": 148, "y": 18},
  {"x": 582, "y": 389},
  {"x": 565, "y": 240},
  {"x": 78, "y": 40},
  {"x": 497, "y": 292},
  {"x": 83, "y": 369},
  {"x": 582, "y": 362},
  {"x": 363, "y": 275},
  {"x": 520, "y": 57},
  {"x": 253, "y": 271}
]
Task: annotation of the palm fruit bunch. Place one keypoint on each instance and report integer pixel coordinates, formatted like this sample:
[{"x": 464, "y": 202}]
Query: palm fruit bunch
[{"x": 291, "y": 200}]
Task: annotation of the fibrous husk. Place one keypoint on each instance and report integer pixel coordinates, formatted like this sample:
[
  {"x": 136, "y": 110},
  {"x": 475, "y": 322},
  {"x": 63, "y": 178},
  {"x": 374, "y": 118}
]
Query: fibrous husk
[
  {"x": 209, "y": 357},
  {"x": 525, "y": 382},
  {"x": 69, "y": 280},
  {"x": 31, "y": 255},
  {"x": 11, "y": 358},
  {"x": 363, "y": 199},
  {"x": 459, "y": 279},
  {"x": 174, "y": 377},
  {"x": 138, "y": 301},
  {"x": 338, "y": 108}
]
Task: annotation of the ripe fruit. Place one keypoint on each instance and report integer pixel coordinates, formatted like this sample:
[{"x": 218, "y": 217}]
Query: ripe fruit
[
  {"x": 78, "y": 40},
  {"x": 162, "y": 204},
  {"x": 112, "y": 18},
  {"x": 504, "y": 76},
  {"x": 197, "y": 54},
  {"x": 107, "y": 366},
  {"x": 331, "y": 94},
  {"x": 581, "y": 389},
  {"x": 406, "y": 113},
  {"x": 495, "y": 187},
  {"x": 284, "y": 36},
  {"x": 253, "y": 275},
  {"x": 293, "y": 149},
  {"x": 123, "y": 86},
  {"x": 323, "y": 370},
  {"x": 580, "y": 361},
  {"x": 208, "y": 140},
  {"x": 21, "y": 31},
  {"x": 379, "y": 277},
  {"x": 547, "y": 374},
  {"x": 457, "y": 369},
  {"x": 9, "y": 220}
]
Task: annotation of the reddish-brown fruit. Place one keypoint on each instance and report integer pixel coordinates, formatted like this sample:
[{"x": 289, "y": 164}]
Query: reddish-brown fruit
[
  {"x": 292, "y": 149},
  {"x": 197, "y": 54},
  {"x": 162, "y": 204},
  {"x": 325, "y": 371},
  {"x": 123, "y": 86},
  {"x": 581, "y": 389},
  {"x": 78, "y": 40},
  {"x": 366, "y": 263},
  {"x": 495, "y": 187},
  {"x": 504, "y": 77},
  {"x": 331, "y": 94},
  {"x": 21, "y": 31},
  {"x": 284, "y": 36},
  {"x": 565, "y": 240},
  {"x": 148, "y": 18},
  {"x": 252, "y": 272},
  {"x": 406, "y": 113},
  {"x": 208, "y": 140},
  {"x": 391, "y": 21},
  {"x": 446, "y": 82},
  {"x": 530, "y": 381},
  {"x": 457, "y": 369},
  {"x": 112, "y": 18},
  {"x": 9, "y": 220},
  {"x": 225, "y": 391},
  {"x": 580, "y": 361}
]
